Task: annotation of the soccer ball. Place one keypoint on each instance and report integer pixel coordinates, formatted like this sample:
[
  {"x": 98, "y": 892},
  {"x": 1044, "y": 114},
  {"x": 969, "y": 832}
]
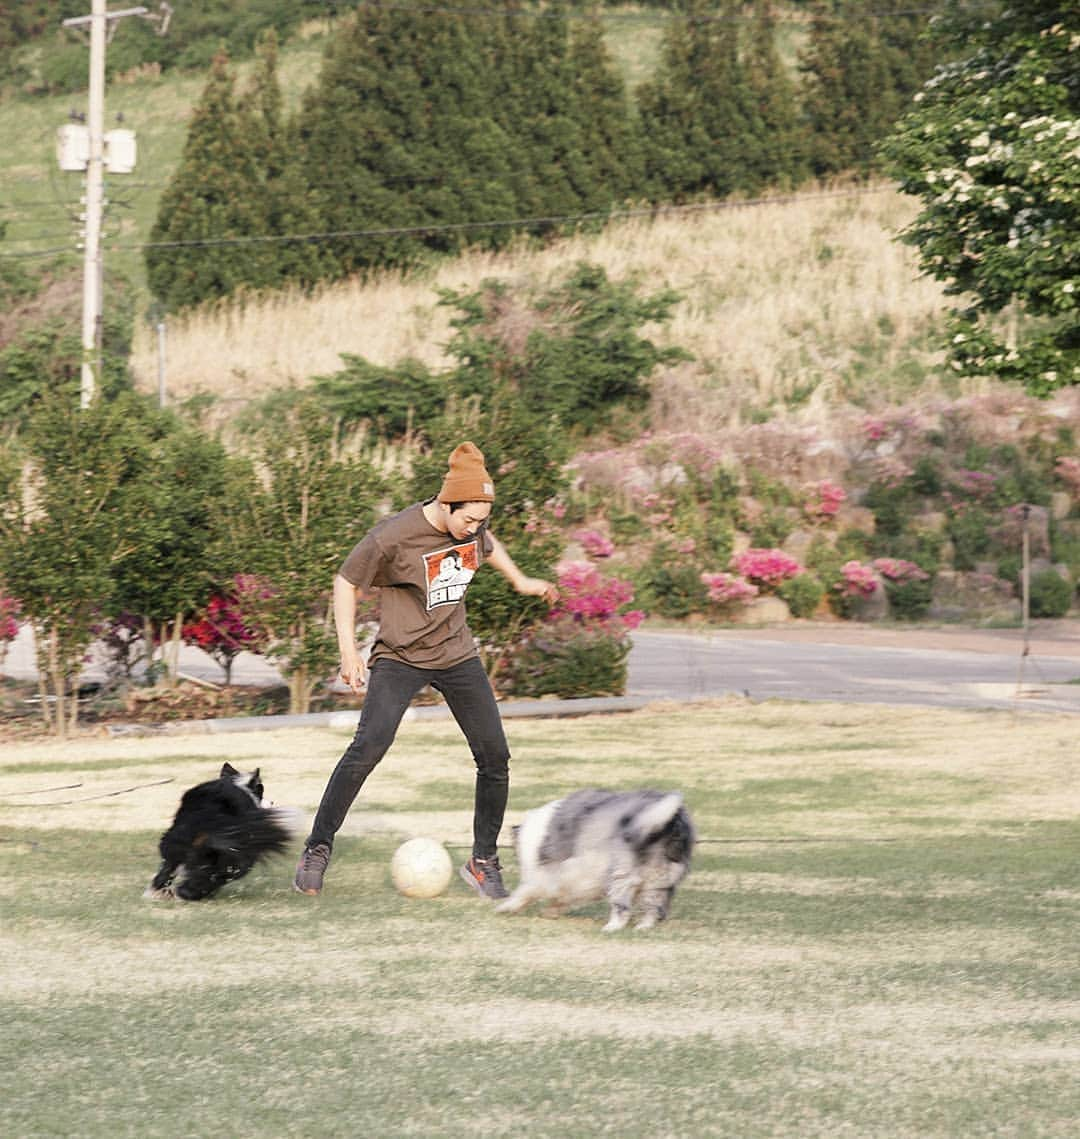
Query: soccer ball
[{"x": 421, "y": 868}]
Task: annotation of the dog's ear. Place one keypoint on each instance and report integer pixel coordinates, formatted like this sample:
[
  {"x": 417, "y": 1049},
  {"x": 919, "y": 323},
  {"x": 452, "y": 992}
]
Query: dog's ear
[{"x": 227, "y": 771}]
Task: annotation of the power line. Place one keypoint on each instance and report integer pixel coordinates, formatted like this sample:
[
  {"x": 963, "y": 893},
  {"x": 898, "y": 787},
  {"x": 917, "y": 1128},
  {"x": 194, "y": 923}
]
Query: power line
[
  {"x": 657, "y": 17},
  {"x": 502, "y": 223},
  {"x": 493, "y": 223}
]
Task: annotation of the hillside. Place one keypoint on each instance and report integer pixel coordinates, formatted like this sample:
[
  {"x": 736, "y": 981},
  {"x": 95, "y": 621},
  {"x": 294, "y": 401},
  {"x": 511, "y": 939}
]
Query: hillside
[{"x": 797, "y": 301}]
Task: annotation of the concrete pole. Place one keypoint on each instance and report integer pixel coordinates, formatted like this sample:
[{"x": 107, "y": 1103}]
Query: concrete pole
[{"x": 95, "y": 186}]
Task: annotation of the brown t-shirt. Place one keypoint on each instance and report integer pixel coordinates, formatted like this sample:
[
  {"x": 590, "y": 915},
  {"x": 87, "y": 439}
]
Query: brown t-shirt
[{"x": 422, "y": 576}]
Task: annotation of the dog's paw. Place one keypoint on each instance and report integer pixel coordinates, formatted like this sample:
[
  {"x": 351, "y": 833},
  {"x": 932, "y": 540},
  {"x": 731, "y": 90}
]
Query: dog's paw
[
  {"x": 617, "y": 921},
  {"x": 647, "y": 922},
  {"x": 159, "y": 893}
]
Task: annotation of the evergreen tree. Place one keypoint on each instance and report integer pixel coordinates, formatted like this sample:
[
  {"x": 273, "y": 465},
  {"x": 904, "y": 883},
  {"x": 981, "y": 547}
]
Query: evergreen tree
[
  {"x": 860, "y": 73},
  {"x": 286, "y": 206},
  {"x": 697, "y": 114},
  {"x": 215, "y": 198},
  {"x": 400, "y": 134},
  {"x": 610, "y": 140},
  {"x": 536, "y": 108},
  {"x": 775, "y": 149}
]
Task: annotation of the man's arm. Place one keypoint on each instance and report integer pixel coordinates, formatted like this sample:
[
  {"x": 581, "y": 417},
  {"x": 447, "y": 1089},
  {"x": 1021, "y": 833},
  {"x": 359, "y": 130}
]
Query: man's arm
[
  {"x": 353, "y": 669},
  {"x": 533, "y": 586}
]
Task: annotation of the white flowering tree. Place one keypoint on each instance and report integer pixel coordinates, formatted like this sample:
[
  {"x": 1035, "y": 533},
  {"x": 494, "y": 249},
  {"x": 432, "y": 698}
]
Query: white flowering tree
[{"x": 992, "y": 148}]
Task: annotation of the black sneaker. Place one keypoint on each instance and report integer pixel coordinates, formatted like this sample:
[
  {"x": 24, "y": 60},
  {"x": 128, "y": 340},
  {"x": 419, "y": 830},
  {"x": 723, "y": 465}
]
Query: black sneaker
[
  {"x": 484, "y": 875},
  {"x": 311, "y": 868}
]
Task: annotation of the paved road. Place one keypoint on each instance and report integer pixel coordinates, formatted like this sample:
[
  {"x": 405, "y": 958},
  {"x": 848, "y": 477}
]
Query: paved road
[
  {"x": 947, "y": 668},
  {"x": 944, "y": 667}
]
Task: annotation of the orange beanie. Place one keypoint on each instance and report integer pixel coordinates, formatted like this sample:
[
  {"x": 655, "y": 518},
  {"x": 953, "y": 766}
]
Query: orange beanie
[{"x": 467, "y": 479}]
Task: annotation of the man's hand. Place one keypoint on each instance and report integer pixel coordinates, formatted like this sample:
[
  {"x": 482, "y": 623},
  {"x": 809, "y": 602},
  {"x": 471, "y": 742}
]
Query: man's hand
[
  {"x": 355, "y": 676},
  {"x": 537, "y": 587}
]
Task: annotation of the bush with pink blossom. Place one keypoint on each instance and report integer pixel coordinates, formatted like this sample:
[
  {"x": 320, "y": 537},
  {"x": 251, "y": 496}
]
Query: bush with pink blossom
[
  {"x": 823, "y": 501},
  {"x": 727, "y": 591},
  {"x": 582, "y": 647},
  {"x": 766, "y": 568},
  {"x": 594, "y": 543}
]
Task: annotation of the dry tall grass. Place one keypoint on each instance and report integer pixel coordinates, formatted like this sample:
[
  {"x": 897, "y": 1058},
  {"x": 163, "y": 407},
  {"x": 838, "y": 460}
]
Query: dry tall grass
[{"x": 778, "y": 299}]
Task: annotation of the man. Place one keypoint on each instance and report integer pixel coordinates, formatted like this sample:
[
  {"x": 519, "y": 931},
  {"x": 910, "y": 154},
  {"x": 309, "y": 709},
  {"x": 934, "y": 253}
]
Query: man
[{"x": 419, "y": 564}]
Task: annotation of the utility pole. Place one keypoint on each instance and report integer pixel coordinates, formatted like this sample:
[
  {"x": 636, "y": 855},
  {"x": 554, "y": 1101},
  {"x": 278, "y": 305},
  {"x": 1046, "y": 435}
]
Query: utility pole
[
  {"x": 95, "y": 187},
  {"x": 101, "y": 24}
]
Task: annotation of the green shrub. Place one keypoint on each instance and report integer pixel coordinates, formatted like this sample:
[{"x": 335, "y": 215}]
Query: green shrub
[
  {"x": 771, "y": 530},
  {"x": 803, "y": 594},
  {"x": 567, "y": 659},
  {"x": 394, "y": 400},
  {"x": 892, "y": 505},
  {"x": 970, "y": 534},
  {"x": 667, "y": 587},
  {"x": 1050, "y": 594},
  {"x": 909, "y": 600}
]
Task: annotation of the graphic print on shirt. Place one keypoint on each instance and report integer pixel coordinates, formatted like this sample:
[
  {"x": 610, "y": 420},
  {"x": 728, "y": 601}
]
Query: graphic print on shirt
[{"x": 449, "y": 572}]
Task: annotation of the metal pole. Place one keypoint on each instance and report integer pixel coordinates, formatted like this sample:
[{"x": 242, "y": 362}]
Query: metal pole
[
  {"x": 161, "y": 362},
  {"x": 95, "y": 178},
  {"x": 1025, "y": 591}
]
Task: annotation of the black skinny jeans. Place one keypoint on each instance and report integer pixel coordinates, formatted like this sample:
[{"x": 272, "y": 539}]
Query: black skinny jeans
[{"x": 391, "y": 687}]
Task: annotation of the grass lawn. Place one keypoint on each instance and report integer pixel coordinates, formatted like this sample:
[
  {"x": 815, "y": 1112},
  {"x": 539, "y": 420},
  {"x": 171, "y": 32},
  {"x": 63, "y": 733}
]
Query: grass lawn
[{"x": 878, "y": 938}]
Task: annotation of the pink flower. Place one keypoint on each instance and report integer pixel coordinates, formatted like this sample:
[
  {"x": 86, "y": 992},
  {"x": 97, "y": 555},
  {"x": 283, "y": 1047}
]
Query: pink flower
[{"x": 874, "y": 429}]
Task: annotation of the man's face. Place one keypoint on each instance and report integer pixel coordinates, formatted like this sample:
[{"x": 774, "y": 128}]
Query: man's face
[{"x": 464, "y": 522}]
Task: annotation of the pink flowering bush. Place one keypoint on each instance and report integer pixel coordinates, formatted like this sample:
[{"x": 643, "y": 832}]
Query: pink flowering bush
[
  {"x": 907, "y": 586},
  {"x": 856, "y": 580},
  {"x": 588, "y": 597},
  {"x": 728, "y": 590},
  {"x": 899, "y": 571},
  {"x": 767, "y": 569},
  {"x": 595, "y": 544},
  {"x": 823, "y": 501},
  {"x": 855, "y": 583},
  {"x": 582, "y": 647}
]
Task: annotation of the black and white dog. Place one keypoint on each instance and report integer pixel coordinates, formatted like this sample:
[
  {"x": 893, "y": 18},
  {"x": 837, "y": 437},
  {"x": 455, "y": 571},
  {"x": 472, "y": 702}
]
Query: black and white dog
[
  {"x": 221, "y": 829},
  {"x": 631, "y": 847}
]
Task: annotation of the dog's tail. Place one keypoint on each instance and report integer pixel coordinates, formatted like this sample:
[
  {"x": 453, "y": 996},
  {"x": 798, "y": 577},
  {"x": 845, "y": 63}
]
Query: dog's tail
[
  {"x": 646, "y": 825},
  {"x": 266, "y": 832}
]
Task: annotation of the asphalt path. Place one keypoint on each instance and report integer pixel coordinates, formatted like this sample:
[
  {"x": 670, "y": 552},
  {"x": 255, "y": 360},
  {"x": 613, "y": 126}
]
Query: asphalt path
[
  {"x": 943, "y": 668},
  {"x": 1037, "y": 668}
]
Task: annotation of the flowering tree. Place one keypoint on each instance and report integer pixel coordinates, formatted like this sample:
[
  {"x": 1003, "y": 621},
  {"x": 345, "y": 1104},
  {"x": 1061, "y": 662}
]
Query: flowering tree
[
  {"x": 9, "y": 623},
  {"x": 993, "y": 150},
  {"x": 222, "y": 631}
]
